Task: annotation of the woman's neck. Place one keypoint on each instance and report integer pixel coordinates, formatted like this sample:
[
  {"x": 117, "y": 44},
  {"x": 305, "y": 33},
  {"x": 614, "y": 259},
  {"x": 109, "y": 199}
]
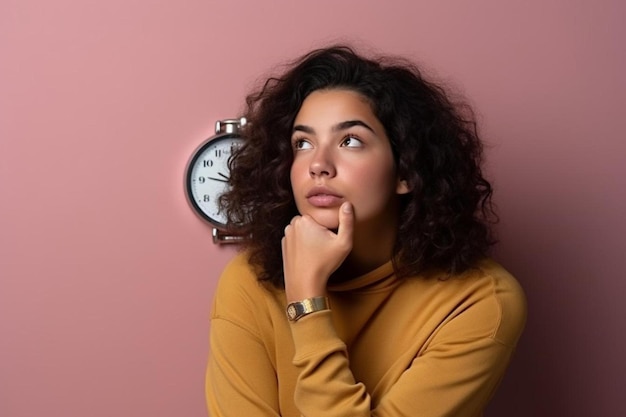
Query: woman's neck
[{"x": 369, "y": 251}]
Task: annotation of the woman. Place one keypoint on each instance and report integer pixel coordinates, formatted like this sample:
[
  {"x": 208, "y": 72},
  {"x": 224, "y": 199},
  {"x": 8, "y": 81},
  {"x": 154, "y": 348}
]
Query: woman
[{"x": 365, "y": 287}]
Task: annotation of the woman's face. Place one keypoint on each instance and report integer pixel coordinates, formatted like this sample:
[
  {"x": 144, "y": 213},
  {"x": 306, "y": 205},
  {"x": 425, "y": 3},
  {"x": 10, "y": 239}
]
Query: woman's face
[{"x": 342, "y": 153}]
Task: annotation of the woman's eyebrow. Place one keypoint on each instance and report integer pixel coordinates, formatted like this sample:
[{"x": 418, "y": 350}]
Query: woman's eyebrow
[
  {"x": 338, "y": 127},
  {"x": 303, "y": 128},
  {"x": 350, "y": 123}
]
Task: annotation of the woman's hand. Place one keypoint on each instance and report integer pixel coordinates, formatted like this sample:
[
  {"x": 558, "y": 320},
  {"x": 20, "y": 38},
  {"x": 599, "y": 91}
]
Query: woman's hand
[{"x": 311, "y": 253}]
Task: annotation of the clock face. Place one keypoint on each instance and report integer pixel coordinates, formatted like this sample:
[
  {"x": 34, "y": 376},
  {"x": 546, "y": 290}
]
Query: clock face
[{"x": 207, "y": 176}]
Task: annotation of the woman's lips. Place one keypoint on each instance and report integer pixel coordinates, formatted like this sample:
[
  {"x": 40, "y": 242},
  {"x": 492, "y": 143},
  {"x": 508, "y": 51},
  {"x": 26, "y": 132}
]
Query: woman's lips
[
  {"x": 324, "y": 200},
  {"x": 323, "y": 197}
]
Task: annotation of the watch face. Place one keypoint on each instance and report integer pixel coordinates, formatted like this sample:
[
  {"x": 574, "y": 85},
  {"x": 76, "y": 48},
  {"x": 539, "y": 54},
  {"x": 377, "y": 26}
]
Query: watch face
[
  {"x": 291, "y": 312},
  {"x": 207, "y": 176}
]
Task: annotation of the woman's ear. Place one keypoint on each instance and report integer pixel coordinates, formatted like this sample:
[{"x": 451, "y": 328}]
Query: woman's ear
[{"x": 402, "y": 187}]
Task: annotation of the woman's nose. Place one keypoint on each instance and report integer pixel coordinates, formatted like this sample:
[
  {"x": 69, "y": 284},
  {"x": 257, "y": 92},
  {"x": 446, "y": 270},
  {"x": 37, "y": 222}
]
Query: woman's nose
[{"x": 322, "y": 164}]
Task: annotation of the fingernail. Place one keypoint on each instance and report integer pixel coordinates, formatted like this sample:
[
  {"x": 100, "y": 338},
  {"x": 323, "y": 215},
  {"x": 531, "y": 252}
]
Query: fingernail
[{"x": 347, "y": 208}]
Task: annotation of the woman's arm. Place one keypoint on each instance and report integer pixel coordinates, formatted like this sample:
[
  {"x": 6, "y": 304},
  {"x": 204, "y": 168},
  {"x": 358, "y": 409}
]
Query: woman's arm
[
  {"x": 455, "y": 376},
  {"x": 240, "y": 378}
]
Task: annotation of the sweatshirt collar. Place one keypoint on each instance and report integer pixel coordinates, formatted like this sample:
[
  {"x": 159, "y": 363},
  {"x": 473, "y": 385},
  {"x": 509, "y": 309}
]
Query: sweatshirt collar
[{"x": 375, "y": 280}]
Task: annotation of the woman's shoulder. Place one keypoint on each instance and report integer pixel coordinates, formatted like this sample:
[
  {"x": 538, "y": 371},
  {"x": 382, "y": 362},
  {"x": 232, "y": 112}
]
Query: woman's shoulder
[
  {"x": 240, "y": 275},
  {"x": 509, "y": 297},
  {"x": 497, "y": 274},
  {"x": 487, "y": 274},
  {"x": 486, "y": 298},
  {"x": 238, "y": 267},
  {"x": 239, "y": 285},
  {"x": 241, "y": 299}
]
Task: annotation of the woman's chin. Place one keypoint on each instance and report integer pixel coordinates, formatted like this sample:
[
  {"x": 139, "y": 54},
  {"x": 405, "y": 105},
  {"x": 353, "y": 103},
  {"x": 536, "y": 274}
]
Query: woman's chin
[{"x": 328, "y": 220}]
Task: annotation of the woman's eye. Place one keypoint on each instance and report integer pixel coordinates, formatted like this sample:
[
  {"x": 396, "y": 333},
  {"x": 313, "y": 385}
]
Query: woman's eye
[
  {"x": 352, "y": 142},
  {"x": 301, "y": 144}
]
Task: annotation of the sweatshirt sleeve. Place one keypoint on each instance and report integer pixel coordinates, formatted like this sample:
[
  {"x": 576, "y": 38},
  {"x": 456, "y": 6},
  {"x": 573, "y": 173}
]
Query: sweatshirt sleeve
[
  {"x": 238, "y": 381},
  {"x": 240, "y": 377},
  {"x": 454, "y": 376},
  {"x": 325, "y": 386}
]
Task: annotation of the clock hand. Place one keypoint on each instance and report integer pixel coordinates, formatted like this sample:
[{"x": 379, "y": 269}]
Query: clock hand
[{"x": 223, "y": 179}]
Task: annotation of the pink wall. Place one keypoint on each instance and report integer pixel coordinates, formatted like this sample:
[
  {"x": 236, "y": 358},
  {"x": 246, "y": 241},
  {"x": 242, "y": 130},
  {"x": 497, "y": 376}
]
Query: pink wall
[{"x": 106, "y": 275}]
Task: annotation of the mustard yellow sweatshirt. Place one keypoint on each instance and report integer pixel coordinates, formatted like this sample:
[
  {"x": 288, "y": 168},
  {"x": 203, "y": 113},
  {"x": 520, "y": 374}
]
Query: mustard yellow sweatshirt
[{"x": 421, "y": 346}]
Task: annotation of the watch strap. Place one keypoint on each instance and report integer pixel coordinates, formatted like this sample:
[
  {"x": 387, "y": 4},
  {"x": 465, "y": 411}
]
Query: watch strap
[{"x": 299, "y": 309}]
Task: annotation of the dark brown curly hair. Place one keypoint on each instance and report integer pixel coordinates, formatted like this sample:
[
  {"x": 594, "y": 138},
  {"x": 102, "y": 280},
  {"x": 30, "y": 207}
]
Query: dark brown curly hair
[{"x": 444, "y": 221}]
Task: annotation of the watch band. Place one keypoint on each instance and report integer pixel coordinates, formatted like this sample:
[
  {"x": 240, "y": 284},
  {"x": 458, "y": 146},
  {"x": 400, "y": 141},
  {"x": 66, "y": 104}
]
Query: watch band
[{"x": 299, "y": 309}]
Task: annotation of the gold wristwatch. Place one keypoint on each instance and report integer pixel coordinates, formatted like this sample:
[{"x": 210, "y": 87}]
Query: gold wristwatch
[{"x": 299, "y": 309}]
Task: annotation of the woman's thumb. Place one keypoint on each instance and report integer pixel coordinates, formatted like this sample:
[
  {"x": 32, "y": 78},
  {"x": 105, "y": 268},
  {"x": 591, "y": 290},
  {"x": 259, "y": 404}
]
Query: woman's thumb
[{"x": 346, "y": 223}]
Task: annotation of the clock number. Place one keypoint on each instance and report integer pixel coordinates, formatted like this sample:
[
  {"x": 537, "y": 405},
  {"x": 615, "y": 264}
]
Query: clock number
[
  {"x": 207, "y": 163},
  {"x": 201, "y": 180},
  {"x": 206, "y": 198},
  {"x": 218, "y": 153}
]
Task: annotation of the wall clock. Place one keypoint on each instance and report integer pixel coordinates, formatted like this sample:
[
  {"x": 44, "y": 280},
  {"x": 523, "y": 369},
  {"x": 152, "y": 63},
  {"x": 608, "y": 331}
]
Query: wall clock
[{"x": 206, "y": 177}]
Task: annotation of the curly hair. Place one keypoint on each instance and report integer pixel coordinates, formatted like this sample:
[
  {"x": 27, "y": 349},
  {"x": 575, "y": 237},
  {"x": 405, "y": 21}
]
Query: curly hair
[{"x": 444, "y": 221}]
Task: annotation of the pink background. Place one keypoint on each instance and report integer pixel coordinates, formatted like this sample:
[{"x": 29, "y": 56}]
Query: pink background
[{"x": 106, "y": 275}]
